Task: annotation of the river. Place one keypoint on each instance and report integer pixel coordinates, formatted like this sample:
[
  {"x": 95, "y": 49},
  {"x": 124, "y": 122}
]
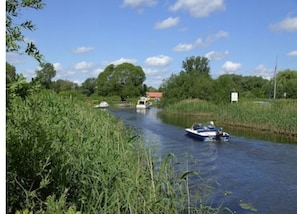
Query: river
[{"x": 248, "y": 175}]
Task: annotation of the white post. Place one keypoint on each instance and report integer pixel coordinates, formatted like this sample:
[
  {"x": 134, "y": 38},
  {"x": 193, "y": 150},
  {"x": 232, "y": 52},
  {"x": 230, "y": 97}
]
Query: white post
[{"x": 234, "y": 97}]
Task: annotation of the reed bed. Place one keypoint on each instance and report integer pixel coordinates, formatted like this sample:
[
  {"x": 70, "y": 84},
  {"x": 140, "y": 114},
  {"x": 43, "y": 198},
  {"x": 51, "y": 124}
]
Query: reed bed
[
  {"x": 274, "y": 116},
  {"x": 64, "y": 156}
]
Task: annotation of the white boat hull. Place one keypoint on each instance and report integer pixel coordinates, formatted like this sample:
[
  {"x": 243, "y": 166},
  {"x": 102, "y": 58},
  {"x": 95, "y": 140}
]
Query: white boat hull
[
  {"x": 102, "y": 104},
  {"x": 207, "y": 135},
  {"x": 143, "y": 106}
]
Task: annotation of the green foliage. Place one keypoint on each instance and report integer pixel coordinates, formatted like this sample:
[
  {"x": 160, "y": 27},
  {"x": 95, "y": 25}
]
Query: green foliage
[
  {"x": 17, "y": 86},
  {"x": 196, "y": 66},
  {"x": 14, "y": 30},
  {"x": 287, "y": 83},
  {"x": 275, "y": 117},
  {"x": 11, "y": 75},
  {"x": 193, "y": 82},
  {"x": 249, "y": 87},
  {"x": 63, "y": 85},
  {"x": 63, "y": 156},
  {"x": 88, "y": 87},
  {"x": 45, "y": 75},
  {"x": 122, "y": 80}
]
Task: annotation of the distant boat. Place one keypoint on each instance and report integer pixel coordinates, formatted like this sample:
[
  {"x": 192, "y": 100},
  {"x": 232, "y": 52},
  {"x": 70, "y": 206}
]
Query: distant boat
[
  {"x": 143, "y": 103},
  {"x": 102, "y": 104}
]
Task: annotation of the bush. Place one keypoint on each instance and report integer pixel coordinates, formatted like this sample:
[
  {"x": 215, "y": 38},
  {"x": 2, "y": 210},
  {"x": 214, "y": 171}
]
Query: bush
[{"x": 63, "y": 156}]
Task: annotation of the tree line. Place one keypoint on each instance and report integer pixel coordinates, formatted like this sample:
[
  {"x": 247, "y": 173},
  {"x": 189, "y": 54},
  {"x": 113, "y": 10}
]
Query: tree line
[{"x": 192, "y": 82}]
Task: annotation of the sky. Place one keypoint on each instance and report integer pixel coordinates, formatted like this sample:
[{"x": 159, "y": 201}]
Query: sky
[{"x": 82, "y": 37}]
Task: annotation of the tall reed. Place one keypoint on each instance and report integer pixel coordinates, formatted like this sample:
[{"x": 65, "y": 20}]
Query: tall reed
[
  {"x": 274, "y": 116},
  {"x": 65, "y": 156}
]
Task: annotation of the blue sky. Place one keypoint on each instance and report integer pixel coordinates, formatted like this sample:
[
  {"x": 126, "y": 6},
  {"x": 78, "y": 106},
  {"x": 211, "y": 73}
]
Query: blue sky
[{"x": 81, "y": 38}]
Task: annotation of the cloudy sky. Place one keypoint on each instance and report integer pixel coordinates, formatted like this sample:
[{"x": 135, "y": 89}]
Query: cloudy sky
[{"x": 82, "y": 37}]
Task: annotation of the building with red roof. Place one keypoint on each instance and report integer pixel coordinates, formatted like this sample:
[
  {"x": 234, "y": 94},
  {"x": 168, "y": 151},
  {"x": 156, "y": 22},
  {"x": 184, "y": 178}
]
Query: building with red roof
[{"x": 154, "y": 95}]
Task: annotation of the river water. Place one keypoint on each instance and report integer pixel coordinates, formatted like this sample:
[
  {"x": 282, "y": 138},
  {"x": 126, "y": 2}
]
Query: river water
[{"x": 248, "y": 175}]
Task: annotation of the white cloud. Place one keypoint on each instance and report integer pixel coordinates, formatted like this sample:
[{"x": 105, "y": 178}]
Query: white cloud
[
  {"x": 183, "y": 47},
  {"x": 14, "y": 58},
  {"x": 215, "y": 55},
  {"x": 97, "y": 72},
  {"x": 58, "y": 66},
  {"x": 200, "y": 42},
  {"x": 292, "y": 53},
  {"x": 288, "y": 24},
  {"x": 154, "y": 77},
  {"x": 231, "y": 67},
  {"x": 211, "y": 38},
  {"x": 167, "y": 23},
  {"x": 262, "y": 71},
  {"x": 139, "y": 3},
  {"x": 122, "y": 60},
  {"x": 218, "y": 35},
  {"x": 150, "y": 71},
  {"x": 160, "y": 60},
  {"x": 83, "y": 66},
  {"x": 83, "y": 49},
  {"x": 198, "y": 8}
]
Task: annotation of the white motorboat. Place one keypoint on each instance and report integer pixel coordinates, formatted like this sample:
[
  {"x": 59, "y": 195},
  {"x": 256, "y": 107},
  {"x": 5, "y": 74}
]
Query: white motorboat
[
  {"x": 207, "y": 132},
  {"x": 102, "y": 104},
  {"x": 143, "y": 103}
]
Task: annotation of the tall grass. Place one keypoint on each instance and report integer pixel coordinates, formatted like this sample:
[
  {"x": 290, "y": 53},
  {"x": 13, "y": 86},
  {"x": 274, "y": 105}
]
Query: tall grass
[
  {"x": 63, "y": 156},
  {"x": 275, "y": 116}
]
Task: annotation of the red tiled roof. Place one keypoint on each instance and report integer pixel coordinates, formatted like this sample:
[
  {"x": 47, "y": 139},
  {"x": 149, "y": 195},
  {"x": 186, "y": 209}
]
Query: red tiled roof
[{"x": 154, "y": 94}]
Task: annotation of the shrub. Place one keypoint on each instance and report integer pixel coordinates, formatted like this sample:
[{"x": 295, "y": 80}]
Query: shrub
[{"x": 63, "y": 156}]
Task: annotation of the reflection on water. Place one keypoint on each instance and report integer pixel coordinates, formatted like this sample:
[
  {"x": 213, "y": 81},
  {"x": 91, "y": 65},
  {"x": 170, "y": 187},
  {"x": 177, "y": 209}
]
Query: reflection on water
[{"x": 141, "y": 111}]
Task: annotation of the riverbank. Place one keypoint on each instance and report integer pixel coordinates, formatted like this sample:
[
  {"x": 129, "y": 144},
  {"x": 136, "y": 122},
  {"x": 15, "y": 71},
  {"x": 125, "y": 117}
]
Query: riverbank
[
  {"x": 278, "y": 117},
  {"x": 64, "y": 156}
]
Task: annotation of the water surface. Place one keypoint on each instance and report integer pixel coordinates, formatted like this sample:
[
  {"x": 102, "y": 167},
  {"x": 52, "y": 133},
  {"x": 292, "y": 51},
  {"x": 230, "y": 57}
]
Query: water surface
[{"x": 244, "y": 171}]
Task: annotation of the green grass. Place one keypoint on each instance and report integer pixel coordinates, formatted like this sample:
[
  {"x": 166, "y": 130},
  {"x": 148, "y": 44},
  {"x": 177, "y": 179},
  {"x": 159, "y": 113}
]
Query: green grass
[
  {"x": 275, "y": 116},
  {"x": 64, "y": 156}
]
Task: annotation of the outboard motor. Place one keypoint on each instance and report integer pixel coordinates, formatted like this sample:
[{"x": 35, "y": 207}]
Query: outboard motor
[{"x": 219, "y": 134}]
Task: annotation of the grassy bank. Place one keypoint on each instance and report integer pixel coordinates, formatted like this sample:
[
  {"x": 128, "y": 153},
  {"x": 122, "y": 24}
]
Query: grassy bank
[
  {"x": 275, "y": 116},
  {"x": 64, "y": 156}
]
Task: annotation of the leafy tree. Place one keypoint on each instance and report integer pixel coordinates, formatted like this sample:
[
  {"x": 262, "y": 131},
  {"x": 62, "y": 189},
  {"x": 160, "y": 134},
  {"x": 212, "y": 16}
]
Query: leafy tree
[
  {"x": 197, "y": 66},
  {"x": 192, "y": 82},
  {"x": 16, "y": 85},
  {"x": 171, "y": 89},
  {"x": 14, "y": 35},
  {"x": 286, "y": 83},
  {"x": 246, "y": 86},
  {"x": 254, "y": 86},
  {"x": 63, "y": 85},
  {"x": 89, "y": 86},
  {"x": 11, "y": 75},
  {"x": 122, "y": 80},
  {"x": 45, "y": 75},
  {"x": 223, "y": 86}
]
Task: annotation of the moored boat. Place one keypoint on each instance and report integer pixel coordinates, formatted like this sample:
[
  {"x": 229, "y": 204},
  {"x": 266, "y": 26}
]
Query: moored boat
[
  {"x": 207, "y": 132},
  {"x": 102, "y": 104},
  {"x": 143, "y": 103}
]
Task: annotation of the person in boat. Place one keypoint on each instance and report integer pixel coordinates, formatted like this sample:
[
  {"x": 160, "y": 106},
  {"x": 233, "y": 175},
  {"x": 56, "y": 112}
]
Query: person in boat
[
  {"x": 211, "y": 125},
  {"x": 196, "y": 126}
]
